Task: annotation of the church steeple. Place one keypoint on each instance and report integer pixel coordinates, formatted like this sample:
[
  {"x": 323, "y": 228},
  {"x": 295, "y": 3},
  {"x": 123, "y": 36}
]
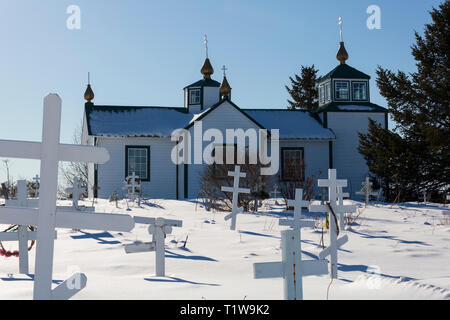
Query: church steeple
[
  {"x": 89, "y": 94},
  {"x": 207, "y": 69},
  {"x": 342, "y": 54},
  {"x": 225, "y": 89}
]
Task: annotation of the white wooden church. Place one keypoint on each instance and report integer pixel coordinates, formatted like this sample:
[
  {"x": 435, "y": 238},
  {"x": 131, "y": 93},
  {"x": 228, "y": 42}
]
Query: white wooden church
[{"x": 139, "y": 138}]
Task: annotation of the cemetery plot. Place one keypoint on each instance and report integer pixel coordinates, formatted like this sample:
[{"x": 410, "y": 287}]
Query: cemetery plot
[
  {"x": 333, "y": 208},
  {"x": 237, "y": 174},
  {"x": 50, "y": 151},
  {"x": 367, "y": 191},
  {"x": 159, "y": 228}
]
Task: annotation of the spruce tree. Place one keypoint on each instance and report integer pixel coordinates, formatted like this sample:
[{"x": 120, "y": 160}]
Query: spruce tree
[
  {"x": 415, "y": 155},
  {"x": 304, "y": 93}
]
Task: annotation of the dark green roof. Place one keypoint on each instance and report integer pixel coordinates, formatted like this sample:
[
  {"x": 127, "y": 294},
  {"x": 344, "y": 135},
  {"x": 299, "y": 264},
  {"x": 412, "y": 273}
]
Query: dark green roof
[
  {"x": 344, "y": 71},
  {"x": 351, "y": 106},
  {"x": 205, "y": 83}
]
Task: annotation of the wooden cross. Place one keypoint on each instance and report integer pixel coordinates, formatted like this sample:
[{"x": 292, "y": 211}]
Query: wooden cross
[
  {"x": 297, "y": 223},
  {"x": 446, "y": 212},
  {"x": 332, "y": 183},
  {"x": 237, "y": 174},
  {"x": 23, "y": 235},
  {"x": 292, "y": 268},
  {"x": 50, "y": 151},
  {"x": 77, "y": 191},
  {"x": 275, "y": 193},
  {"x": 366, "y": 190},
  {"x": 22, "y": 198},
  {"x": 158, "y": 228},
  {"x": 131, "y": 188},
  {"x": 341, "y": 195},
  {"x": 36, "y": 186}
]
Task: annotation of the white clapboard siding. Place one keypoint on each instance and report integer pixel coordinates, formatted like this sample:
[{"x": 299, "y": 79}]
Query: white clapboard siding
[
  {"x": 346, "y": 158},
  {"x": 162, "y": 182},
  {"x": 316, "y": 154},
  {"x": 223, "y": 117}
]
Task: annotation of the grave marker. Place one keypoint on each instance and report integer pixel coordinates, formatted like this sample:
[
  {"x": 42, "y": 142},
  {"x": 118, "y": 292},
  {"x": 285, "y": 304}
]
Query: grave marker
[
  {"x": 77, "y": 191},
  {"x": 50, "y": 151},
  {"x": 297, "y": 223},
  {"x": 23, "y": 235},
  {"x": 292, "y": 268},
  {"x": 158, "y": 228},
  {"x": 237, "y": 174},
  {"x": 332, "y": 208},
  {"x": 367, "y": 190},
  {"x": 132, "y": 186}
]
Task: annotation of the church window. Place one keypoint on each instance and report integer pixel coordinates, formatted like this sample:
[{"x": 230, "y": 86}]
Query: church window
[
  {"x": 194, "y": 96},
  {"x": 322, "y": 94},
  {"x": 342, "y": 90},
  {"x": 137, "y": 160},
  {"x": 359, "y": 91},
  {"x": 328, "y": 91},
  {"x": 292, "y": 164}
]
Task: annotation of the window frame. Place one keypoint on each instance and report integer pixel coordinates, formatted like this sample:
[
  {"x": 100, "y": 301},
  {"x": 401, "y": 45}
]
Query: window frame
[
  {"x": 191, "y": 91},
  {"x": 353, "y": 90},
  {"x": 302, "y": 159},
  {"x": 336, "y": 82},
  {"x": 147, "y": 164},
  {"x": 328, "y": 95},
  {"x": 322, "y": 98}
]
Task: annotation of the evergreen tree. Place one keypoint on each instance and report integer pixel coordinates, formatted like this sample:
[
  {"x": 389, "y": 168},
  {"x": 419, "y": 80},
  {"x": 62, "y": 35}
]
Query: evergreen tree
[
  {"x": 415, "y": 156},
  {"x": 304, "y": 93}
]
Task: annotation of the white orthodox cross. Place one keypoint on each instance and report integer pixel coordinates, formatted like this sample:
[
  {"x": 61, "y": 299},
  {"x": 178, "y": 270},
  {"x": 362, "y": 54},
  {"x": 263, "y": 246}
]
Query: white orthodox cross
[
  {"x": 366, "y": 190},
  {"x": 77, "y": 191},
  {"x": 297, "y": 204},
  {"x": 206, "y": 45},
  {"x": 340, "y": 29},
  {"x": 22, "y": 197},
  {"x": 424, "y": 196},
  {"x": 332, "y": 183},
  {"x": 131, "y": 188},
  {"x": 36, "y": 186},
  {"x": 158, "y": 228},
  {"x": 275, "y": 193},
  {"x": 341, "y": 195},
  {"x": 292, "y": 268},
  {"x": 50, "y": 151},
  {"x": 237, "y": 174},
  {"x": 23, "y": 235}
]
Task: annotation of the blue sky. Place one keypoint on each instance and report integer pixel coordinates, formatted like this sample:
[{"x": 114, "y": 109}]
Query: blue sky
[{"x": 144, "y": 52}]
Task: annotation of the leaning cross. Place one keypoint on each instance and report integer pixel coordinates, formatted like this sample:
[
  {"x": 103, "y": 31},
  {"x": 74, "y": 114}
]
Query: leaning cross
[
  {"x": 158, "y": 228},
  {"x": 237, "y": 174},
  {"x": 366, "y": 191},
  {"x": 297, "y": 204},
  {"x": 22, "y": 235},
  {"x": 292, "y": 268},
  {"x": 333, "y": 208},
  {"x": 77, "y": 191},
  {"x": 50, "y": 151}
]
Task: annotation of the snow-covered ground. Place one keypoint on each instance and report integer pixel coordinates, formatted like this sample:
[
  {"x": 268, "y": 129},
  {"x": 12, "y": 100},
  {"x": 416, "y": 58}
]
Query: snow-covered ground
[{"x": 394, "y": 252}]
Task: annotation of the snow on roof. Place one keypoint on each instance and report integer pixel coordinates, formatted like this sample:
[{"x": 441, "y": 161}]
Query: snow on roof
[
  {"x": 135, "y": 121},
  {"x": 292, "y": 124},
  {"x": 113, "y": 121}
]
